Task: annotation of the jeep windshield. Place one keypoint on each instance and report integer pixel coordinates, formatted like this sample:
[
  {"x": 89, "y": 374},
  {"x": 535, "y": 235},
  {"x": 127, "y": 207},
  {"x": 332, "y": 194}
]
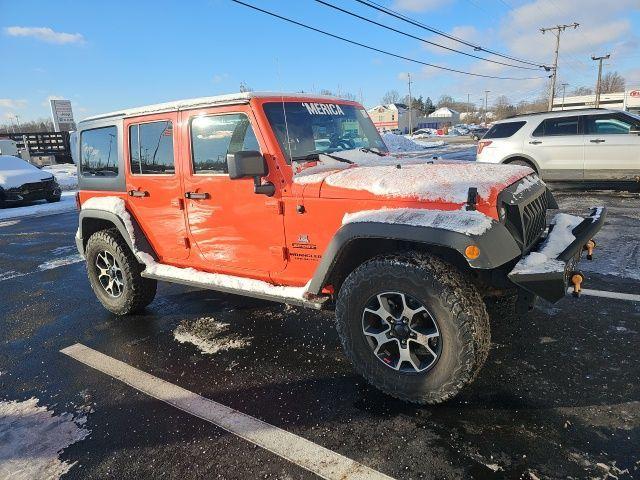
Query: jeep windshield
[{"x": 310, "y": 133}]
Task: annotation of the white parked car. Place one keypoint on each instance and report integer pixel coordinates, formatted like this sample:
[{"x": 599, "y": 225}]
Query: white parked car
[
  {"x": 22, "y": 182},
  {"x": 590, "y": 145},
  {"x": 423, "y": 133}
]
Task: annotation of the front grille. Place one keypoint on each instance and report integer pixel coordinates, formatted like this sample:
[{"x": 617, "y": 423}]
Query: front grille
[
  {"x": 527, "y": 220},
  {"x": 534, "y": 219}
]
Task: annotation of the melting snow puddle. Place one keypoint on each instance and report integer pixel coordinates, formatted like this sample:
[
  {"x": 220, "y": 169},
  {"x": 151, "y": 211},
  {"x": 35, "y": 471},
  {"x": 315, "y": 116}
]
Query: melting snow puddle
[
  {"x": 32, "y": 437},
  {"x": 209, "y": 335}
]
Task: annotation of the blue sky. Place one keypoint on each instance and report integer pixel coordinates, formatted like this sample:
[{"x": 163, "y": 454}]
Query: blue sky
[{"x": 109, "y": 55}]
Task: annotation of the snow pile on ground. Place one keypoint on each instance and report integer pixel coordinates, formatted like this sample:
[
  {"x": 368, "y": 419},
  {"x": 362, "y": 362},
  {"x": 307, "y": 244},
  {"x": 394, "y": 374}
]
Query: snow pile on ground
[
  {"x": 430, "y": 144},
  {"x": 117, "y": 206},
  {"x": 544, "y": 260},
  {"x": 66, "y": 175},
  {"x": 448, "y": 182},
  {"x": 32, "y": 437},
  {"x": 399, "y": 143},
  {"x": 209, "y": 335},
  {"x": 462, "y": 221},
  {"x": 66, "y": 204}
]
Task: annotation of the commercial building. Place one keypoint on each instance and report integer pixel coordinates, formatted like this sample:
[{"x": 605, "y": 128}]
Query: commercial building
[
  {"x": 628, "y": 100},
  {"x": 394, "y": 116}
]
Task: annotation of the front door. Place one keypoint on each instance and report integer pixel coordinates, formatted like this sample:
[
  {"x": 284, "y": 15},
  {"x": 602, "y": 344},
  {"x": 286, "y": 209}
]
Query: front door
[
  {"x": 611, "y": 151},
  {"x": 557, "y": 146},
  {"x": 153, "y": 183},
  {"x": 235, "y": 229}
]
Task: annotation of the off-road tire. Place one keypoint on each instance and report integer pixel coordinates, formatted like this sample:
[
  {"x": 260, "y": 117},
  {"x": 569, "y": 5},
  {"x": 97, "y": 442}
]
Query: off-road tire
[
  {"x": 138, "y": 292},
  {"x": 453, "y": 302}
]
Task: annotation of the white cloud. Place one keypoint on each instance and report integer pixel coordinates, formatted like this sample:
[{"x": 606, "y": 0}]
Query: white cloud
[
  {"x": 419, "y": 5},
  {"x": 45, "y": 34},
  {"x": 12, "y": 104}
]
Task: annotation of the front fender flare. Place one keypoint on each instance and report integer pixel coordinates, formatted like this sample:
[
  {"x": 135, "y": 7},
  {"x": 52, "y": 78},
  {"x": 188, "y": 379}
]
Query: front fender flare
[{"x": 497, "y": 246}]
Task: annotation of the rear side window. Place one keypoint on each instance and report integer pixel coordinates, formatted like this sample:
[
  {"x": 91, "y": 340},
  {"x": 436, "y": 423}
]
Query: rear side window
[
  {"x": 608, "y": 124},
  {"x": 213, "y": 137},
  {"x": 99, "y": 152},
  {"x": 558, "y": 126},
  {"x": 151, "y": 148},
  {"x": 504, "y": 130}
]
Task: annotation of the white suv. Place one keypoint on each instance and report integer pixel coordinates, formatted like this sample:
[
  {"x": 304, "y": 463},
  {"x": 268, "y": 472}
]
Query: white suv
[{"x": 590, "y": 145}]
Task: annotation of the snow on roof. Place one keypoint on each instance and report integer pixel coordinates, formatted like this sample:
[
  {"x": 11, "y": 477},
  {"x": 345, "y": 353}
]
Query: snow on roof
[
  {"x": 228, "y": 99},
  {"x": 443, "y": 112}
]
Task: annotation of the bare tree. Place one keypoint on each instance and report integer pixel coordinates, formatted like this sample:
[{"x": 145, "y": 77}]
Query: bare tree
[
  {"x": 503, "y": 108},
  {"x": 582, "y": 91},
  {"x": 392, "y": 96},
  {"x": 39, "y": 125},
  {"x": 612, "y": 82}
]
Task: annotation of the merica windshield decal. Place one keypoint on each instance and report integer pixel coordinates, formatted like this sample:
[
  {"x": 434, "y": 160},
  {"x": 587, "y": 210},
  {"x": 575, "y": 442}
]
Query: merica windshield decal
[
  {"x": 312, "y": 130},
  {"x": 323, "y": 108}
]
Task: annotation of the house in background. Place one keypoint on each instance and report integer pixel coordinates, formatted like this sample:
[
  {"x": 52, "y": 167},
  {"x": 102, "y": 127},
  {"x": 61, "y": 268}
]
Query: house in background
[{"x": 387, "y": 118}]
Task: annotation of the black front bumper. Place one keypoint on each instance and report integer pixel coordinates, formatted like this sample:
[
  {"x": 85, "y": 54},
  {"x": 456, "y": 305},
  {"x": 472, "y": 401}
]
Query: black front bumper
[
  {"x": 552, "y": 285},
  {"x": 31, "y": 192}
]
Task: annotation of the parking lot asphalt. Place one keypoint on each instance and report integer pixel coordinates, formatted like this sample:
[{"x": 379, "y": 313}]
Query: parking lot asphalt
[{"x": 559, "y": 396}]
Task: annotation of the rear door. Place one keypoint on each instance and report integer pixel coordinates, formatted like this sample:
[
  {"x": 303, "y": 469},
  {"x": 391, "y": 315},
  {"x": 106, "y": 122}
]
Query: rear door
[
  {"x": 153, "y": 183},
  {"x": 611, "y": 151},
  {"x": 235, "y": 229},
  {"x": 557, "y": 146}
]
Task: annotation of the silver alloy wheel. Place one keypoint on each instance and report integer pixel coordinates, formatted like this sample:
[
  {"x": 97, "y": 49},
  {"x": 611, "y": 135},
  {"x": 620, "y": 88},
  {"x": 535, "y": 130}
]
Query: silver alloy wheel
[
  {"x": 401, "y": 332},
  {"x": 109, "y": 274}
]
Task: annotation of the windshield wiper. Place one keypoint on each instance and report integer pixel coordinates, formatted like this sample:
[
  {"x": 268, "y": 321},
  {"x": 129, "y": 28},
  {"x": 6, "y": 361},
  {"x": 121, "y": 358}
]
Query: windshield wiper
[
  {"x": 316, "y": 156},
  {"x": 370, "y": 150}
]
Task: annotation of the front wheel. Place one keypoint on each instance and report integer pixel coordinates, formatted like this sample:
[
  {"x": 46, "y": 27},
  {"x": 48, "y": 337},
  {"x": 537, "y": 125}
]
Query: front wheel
[
  {"x": 114, "y": 274},
  {"x": 413, "y": 326}
]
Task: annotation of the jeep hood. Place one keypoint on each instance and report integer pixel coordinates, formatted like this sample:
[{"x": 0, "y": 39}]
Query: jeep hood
[
  {"x": 415, "y": 179},
  {"x": 15, "y": 172}
]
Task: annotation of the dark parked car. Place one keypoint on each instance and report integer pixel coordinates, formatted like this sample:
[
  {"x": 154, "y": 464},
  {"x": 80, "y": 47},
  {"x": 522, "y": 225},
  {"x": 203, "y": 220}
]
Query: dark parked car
[
  {"x": 478, "y": 133},
  {"x": 22, "y": 182}
]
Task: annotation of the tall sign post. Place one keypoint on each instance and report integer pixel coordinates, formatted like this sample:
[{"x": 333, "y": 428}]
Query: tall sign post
[{"x": 62, "y": 116}]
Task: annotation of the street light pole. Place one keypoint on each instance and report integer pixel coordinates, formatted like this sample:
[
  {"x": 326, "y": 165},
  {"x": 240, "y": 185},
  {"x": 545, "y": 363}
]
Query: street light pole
[
  {"x": 564, "y": 90},
  {"x": 486, "y": 97},
  {"x": 557, "y": 30},
  {"x": 599, "y": 85},
  {"x": 410, "y": 102}
]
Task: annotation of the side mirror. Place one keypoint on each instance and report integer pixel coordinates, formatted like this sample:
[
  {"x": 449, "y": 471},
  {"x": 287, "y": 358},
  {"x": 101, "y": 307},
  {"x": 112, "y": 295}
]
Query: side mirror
[
  {"x": 250, "y": 163},
  {"x": 246, "y": 163}
]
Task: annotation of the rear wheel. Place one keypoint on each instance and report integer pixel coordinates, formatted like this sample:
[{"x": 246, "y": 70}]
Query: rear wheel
[
  {"x": 413, "y": 326},
  {"x": 523, "y": 163},
  {"x": 114, "y": 274}
]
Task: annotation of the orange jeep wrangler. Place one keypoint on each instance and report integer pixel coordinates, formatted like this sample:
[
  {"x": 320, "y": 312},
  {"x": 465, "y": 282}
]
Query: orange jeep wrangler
[{"x": 295, "y": 198}]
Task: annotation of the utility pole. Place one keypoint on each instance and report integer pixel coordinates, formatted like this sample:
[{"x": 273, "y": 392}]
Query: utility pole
[
  {"x": 557, "y": 30},
  {"x": 17, "y": 121},
  {"x": 468, "y": 105},
  {"x": 410, "y": 117},
  {"x": 486, "y": 97},
  {"x": 564, "y": 90},
  {"x": 599, "y": 84}
]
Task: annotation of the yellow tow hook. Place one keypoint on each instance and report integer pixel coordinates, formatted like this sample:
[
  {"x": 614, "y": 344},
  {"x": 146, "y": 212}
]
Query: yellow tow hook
[
  {"x": 576, "y": 279},
  {"x": 589, "y": 247}
]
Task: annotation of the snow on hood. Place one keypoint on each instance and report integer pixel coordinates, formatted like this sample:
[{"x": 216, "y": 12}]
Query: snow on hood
[
  {"x": 447, "y": 181},
  {"x": 15, "y": 172}
]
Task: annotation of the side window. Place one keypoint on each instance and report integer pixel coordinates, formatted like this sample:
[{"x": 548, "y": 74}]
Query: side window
[
  {"x": 503, "y": 130},
  {"x": 213, "y": 137},
  {"x": 151, "y": 148},
  {"x": 99, "y": 152},
  {"x": 558, "y": 127},
  {"x": 607, "y": 125}
]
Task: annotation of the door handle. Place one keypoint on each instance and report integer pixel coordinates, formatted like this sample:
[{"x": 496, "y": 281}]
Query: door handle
[
  {"x": 597, "y": 140},
  {"x": 138, "y": 193},
  {"x": 196, "y": 195},
  {"x": 535, "y": 142}
]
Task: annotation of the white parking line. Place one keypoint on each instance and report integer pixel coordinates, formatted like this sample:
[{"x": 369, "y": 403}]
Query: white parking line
[
  {"x": 308, "y": 455},
  {"x": 618, "y": 296}
]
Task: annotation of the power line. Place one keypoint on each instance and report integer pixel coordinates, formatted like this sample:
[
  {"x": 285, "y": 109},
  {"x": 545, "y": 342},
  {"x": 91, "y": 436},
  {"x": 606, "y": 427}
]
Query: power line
[
  {"x": 422, "y": 39},
  {"x": 375, "y": 49},
  {"x": 476, "y": 47}
]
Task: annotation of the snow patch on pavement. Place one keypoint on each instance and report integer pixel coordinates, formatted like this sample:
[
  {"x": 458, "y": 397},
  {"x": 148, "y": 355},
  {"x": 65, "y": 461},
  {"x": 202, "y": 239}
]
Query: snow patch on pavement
[
  {"x": 9, "y": 223},
  {"x": 60, "y": 262},
  {"x": 117, "y": 206},
  {"x": 66, "y": 204},
  {"x": 66, "y": 175},
  {"x": 32, "y": 437},
  {"x": 209, "y": 335},
  {"x": 544, "y": 260},
  {"x": 465, "y": 222}
]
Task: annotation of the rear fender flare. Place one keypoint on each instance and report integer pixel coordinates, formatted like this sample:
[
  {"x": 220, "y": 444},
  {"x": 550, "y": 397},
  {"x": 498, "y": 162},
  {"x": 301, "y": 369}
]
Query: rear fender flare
[{"x": 497, "y": 246}]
